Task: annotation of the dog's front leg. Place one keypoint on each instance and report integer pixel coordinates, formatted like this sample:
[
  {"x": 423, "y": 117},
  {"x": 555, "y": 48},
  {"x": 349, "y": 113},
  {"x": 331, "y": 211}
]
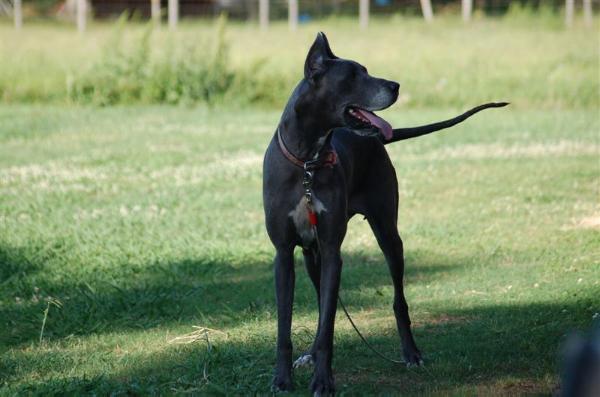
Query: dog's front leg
[
  {"x": 312, "y": 262},
  {"x": 331, "y": 269},
  {"x": 284, "y": 289}
]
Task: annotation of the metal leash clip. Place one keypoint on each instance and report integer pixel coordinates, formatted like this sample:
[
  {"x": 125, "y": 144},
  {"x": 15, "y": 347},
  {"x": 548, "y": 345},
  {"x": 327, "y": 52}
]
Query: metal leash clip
[{"x": 307, "y": 183}]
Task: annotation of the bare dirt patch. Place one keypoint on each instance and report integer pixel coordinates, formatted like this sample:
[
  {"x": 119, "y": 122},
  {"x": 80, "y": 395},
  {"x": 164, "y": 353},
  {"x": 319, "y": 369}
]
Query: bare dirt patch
[{"x": 589, "y": 222}]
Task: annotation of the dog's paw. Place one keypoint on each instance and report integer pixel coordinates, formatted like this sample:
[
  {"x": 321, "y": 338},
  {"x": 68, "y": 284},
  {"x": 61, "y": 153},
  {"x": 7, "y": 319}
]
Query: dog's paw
[
  {"x": 304, "y": 360},
  {"x": 413, "y": 358},
  {"x": 322, "y": 385},
  {"x": 281, "y": 384}
]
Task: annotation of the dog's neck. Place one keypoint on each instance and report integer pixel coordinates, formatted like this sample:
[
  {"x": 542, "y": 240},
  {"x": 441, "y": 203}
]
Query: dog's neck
[{"x": 303, "y": 134}]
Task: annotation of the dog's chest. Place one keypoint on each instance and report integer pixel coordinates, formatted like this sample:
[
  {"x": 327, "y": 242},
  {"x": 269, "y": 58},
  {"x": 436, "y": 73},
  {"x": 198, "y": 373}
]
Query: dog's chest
[{"x": 301, "y": 220}]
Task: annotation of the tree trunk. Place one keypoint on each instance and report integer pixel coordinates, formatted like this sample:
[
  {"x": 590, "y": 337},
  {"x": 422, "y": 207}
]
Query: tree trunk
[
  {"x": 263, "y": 14},
  {"x": 363, "y": 13},
  {"x": 173, "y": 14},
  {"x": 293, "y": 14},
  {"x": 587, "y": 13},
  {"x": 155, "y": 11},
  {"x": 81, "y": 15},
  {"x": 569, "y": 9},
  {"x": 467, "y": 8},
  {"x": 18, "y": 14},
  {"x": 427, "y": 10}
]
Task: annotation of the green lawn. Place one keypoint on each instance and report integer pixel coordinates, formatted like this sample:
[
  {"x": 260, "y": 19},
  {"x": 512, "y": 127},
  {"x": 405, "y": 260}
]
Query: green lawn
[{"x": 139, "y": 223}]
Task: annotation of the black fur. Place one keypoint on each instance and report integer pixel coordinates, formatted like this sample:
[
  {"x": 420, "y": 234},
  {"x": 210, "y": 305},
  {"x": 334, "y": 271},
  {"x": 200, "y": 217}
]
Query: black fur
[{"x": 362, "y": 182}]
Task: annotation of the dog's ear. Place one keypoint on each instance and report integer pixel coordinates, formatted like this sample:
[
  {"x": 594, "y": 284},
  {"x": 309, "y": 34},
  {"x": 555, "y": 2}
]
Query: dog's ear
[{"x": 318, "y": 54}]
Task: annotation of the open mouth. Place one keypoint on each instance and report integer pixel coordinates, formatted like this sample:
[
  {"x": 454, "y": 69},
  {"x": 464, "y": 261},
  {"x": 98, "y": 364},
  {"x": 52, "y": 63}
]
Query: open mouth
[{"x": 364, "y": 119}]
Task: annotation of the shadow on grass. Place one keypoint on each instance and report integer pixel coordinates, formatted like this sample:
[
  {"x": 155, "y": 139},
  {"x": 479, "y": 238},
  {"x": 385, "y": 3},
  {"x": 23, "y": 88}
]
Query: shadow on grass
[
  {"x": 513, "y": 348},
  {"x": 477, "y": 346},
  {"x": 203, "y": 290},
  {"x": 14, "y": 263}
]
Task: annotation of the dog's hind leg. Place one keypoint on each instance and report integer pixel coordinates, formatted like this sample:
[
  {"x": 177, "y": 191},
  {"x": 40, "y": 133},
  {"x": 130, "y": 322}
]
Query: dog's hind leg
[
  {"x": 386, "y": 232},
  {"x": 312, "y": 262},
  {"x": 284, "y": 287}
]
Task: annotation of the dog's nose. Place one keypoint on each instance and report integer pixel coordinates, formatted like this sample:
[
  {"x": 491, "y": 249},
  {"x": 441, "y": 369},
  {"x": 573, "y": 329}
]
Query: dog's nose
[{"x": 394, "y": 87}]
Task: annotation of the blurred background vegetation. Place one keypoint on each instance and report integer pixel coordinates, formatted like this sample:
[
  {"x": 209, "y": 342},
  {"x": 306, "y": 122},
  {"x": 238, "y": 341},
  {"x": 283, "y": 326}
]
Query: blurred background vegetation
[
  {"x": 310, "y": 9},
  {"x": 518, "y": 51}
]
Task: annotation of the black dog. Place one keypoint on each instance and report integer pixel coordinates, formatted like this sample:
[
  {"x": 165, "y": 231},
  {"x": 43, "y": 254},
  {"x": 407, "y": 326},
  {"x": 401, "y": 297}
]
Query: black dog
[{"x": 329, "y": 120}]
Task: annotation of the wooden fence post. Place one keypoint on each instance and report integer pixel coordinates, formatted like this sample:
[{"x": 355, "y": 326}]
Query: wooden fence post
[
  {"x": 293, "y": 14},
  {"x": 173, "y": 14},
  {"x": 587, "y": 13},
  {"x": 155, "y": 11},
  {"x": 569, "y": 9},
  {"x": 467, "y": 8},
  {"x": 81, "y": 15},
  {"x": 427, "y": 10},
  {"x": 363, "y": 13},
  {"x": 263, "y": 14},
  {"x": 18, "y": 14}
]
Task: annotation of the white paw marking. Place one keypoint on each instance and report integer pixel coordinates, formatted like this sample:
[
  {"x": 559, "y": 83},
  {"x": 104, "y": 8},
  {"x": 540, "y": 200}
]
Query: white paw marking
[{"x": 304, "y": 360}]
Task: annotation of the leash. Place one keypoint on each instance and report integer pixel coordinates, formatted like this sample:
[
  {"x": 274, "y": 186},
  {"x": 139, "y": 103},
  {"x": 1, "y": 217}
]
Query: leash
[
  {"x": 360, "y": 335},
  {"x": 325, "y": 159}
]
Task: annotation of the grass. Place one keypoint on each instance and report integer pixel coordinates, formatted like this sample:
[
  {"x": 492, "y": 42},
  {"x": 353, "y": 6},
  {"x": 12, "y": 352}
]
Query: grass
[
  {"x": 124, "y": 228},
  {"x": 530, "y": 59}
]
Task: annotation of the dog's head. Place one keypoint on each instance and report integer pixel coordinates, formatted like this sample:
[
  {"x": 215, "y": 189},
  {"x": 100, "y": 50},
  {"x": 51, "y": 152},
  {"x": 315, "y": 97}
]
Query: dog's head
[{"x": 344, "y": 93}]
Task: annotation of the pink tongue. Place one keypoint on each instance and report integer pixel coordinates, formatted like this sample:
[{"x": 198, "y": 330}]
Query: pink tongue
[{"x": 384, "y": 126}]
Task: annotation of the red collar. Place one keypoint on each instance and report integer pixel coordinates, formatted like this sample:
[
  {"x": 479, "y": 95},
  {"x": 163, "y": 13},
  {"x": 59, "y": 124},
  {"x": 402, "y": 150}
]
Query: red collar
[{"x": 326, "y": 158}]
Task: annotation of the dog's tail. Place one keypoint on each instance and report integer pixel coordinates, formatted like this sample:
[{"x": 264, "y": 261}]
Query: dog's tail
[{"x": 401, "y": 134}]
